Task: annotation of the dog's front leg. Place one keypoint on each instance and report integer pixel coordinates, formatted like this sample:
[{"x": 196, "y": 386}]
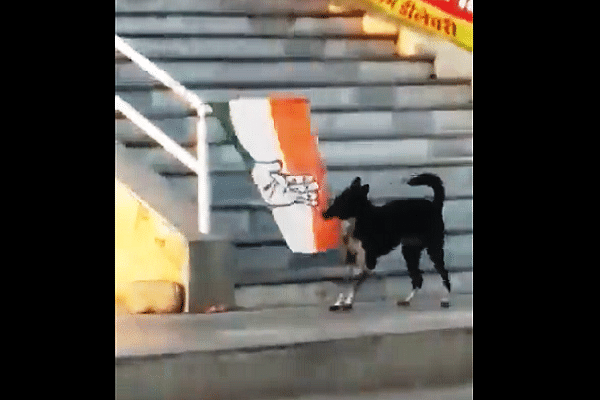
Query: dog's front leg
[
  {"x": 346, "y": 302},
  {"x": 365, "y": 272},
  {"x": 361, "y": 261}
]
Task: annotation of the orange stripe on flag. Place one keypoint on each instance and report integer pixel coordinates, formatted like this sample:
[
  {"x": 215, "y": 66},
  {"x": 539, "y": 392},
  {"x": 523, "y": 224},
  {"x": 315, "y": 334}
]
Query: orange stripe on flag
[{"x": 291, "y": 117}]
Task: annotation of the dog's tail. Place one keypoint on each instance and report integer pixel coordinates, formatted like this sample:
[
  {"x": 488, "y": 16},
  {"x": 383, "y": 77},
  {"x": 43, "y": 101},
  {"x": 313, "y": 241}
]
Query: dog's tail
[{"x": 434, "y": 182}]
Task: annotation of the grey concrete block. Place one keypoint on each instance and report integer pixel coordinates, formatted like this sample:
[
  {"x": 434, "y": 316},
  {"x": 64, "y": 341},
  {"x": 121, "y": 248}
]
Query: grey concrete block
[{"x": 213, "y": 272}]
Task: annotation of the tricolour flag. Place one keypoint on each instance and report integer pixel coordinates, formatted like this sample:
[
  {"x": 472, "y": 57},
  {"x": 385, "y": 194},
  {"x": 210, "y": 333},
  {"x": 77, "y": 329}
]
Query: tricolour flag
[{"x": 288, "y": 169}]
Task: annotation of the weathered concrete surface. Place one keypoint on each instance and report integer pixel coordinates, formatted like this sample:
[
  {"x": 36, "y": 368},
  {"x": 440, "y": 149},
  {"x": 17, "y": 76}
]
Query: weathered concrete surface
[
  {"x": 212, "y": 275},
  {"x": 459, "y": 392},
  {"x": 294, "y": 351},
  {"x": 324, "y": 293}
]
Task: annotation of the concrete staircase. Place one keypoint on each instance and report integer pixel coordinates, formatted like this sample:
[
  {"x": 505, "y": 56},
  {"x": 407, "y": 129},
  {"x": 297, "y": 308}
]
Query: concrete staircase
[
  {"x": 295, "y": 352},
  {"x": 379, "y": 116}
]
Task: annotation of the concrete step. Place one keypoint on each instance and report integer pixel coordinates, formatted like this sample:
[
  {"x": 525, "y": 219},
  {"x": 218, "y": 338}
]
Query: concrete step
[
  {"x": 454, "y": 392},
  {"x": 231, "y": 187},
  {"x": 334, "y": 153},
  {"x": 328, "y": 124},
  {"x": 261, "y": 47},
  {"x": 251, "y": 223},
  {"x": 290, "y": 73},
  {"x": 342, "y": 276},
  {"x": 254, "y": 221},
  {"x": 239, "y": 213},
  {"x": 379, "y": 151},
  {"x": 255, "y": 6},
  {"x": 428, "y": 93},
  {"x": 241, "y": 25},
  {"x": 458, "y": 254},
  {"x": 287, "y": 288},
  {"x": 292, "y": 352},
  {"x": 411, "y": 120},
  {"x": 339, "y": 177},
  {"x": 182, "y": 131},
  {"x": 370, "y": 363}
]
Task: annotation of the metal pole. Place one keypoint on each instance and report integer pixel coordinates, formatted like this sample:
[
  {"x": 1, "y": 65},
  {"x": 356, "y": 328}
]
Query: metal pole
[{"x": 203, "y": 174}]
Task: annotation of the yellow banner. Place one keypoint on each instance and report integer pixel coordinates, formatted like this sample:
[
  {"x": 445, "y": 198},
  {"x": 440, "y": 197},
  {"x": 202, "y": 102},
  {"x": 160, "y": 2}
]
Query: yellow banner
[{"x": 450, "y": 19}]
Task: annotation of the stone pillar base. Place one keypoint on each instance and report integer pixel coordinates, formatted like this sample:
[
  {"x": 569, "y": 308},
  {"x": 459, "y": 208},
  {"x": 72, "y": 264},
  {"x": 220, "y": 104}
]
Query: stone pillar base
[{"x": 213, "y": 270}]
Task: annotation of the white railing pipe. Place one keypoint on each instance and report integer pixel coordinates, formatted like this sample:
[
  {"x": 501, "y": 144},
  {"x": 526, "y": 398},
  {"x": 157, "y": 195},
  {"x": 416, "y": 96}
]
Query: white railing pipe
[
  {"x": 201, "y": 165},
  {"x": 155, "y": 133}
]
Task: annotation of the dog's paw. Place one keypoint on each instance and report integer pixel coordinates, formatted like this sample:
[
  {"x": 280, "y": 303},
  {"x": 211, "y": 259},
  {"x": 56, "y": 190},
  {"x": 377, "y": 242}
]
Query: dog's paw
[
  {"x": 342, "y": 307},
  {"x": 343, "y": 303},
  {"x": 445, "y": 304},
  {"x": 404, "y": 303}
]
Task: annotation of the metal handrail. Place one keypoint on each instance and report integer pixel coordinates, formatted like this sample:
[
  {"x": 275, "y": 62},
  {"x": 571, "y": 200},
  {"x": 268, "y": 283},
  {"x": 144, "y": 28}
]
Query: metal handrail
[
  {"x": 155, "y": 133},
  {"x": 200, "y": 166}
]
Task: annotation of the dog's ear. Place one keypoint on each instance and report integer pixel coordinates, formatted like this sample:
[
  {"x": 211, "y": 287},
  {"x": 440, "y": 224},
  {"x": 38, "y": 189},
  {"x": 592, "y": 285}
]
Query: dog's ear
[
  {"x": 365, "y": 189},
  {"x": 356, "y": 181}
]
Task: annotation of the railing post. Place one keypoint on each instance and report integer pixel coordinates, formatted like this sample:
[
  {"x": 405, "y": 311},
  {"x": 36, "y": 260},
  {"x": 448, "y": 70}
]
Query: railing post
[{"x": 203, "y": 173}]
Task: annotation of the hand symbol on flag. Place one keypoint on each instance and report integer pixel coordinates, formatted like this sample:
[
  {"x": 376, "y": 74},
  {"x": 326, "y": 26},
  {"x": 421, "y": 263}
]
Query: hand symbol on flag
[{"x": 279, "y": 189}]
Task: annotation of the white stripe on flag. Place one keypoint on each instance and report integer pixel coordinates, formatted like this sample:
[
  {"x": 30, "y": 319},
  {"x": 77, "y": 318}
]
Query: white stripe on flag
[
  {"x": 253, "y": 123},
  {"x": 254, "y": 127}
]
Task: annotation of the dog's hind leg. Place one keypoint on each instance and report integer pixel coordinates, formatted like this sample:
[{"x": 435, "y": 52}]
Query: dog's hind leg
[
  {"x": 361, "y": 262},
  {"x": 412, "y": 255},
  {"x": 436, "y": 253}
]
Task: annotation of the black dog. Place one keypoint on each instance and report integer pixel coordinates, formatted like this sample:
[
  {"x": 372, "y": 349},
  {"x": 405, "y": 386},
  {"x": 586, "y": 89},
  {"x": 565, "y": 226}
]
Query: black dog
[{"x": 417, "y": 224}]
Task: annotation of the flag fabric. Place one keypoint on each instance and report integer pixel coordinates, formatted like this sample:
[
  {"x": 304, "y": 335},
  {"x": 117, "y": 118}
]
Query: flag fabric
[
  {"x": 449, "y": 19},
  {"x": 287, "y": 168}
]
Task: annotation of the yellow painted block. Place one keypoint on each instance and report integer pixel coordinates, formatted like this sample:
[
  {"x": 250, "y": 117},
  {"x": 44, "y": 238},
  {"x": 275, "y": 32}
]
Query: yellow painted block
[{"x": 147, "y": 248}]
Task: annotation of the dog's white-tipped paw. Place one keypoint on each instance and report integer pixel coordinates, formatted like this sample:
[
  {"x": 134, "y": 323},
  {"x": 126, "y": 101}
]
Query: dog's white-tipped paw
[
  {"x": 338, "y": 303},
  {"x": 406, "y": 301},
  {"x": 342, "y": 303}
]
